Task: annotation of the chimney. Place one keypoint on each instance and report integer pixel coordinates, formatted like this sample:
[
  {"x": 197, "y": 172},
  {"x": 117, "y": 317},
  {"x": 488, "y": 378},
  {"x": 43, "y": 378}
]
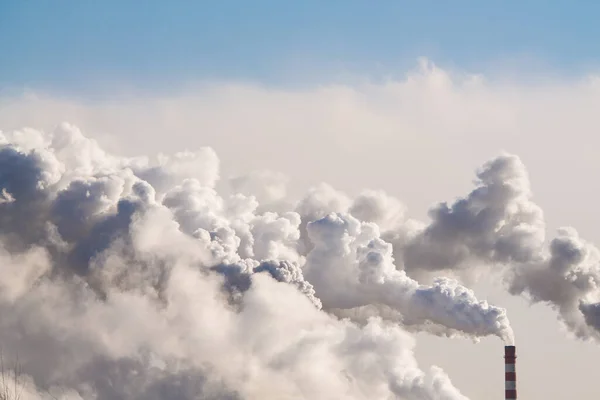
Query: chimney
[{"x": 510, "y": 373}]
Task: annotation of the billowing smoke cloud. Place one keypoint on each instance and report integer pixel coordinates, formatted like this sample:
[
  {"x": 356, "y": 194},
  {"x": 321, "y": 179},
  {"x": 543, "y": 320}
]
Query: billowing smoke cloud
[
  {"x": 567, "y": 278},
  {"x": 133, "y": 278},
  {"x": 351, "y": 266},
  {"x": 498, "y": 225}
]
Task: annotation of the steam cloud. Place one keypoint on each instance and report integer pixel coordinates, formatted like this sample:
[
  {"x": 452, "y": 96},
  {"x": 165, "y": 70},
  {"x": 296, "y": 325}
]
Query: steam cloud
[{"x": 133, "y": 278}]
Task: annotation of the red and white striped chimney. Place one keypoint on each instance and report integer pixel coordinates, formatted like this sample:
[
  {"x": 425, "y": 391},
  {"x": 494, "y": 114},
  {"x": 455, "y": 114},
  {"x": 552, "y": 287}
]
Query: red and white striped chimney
[{"x": 510, "y": 373}]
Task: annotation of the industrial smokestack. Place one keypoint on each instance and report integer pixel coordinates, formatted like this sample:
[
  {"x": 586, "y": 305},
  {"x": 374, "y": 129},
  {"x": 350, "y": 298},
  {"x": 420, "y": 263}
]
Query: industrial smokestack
[{"x": 510, "y": 373}]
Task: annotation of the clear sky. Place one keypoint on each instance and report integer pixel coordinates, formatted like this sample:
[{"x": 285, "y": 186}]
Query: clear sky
[
  {"x": 419, "y": 136},
  {"x": 152, "y": 44}
]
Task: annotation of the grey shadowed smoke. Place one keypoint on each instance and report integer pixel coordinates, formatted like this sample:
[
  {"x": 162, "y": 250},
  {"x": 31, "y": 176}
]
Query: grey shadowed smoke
[
  {"x": 591, "y": 313},
  {"x": 568, "y": 278},
  {"x": 496, "y": 222},
  {"x": 499, "y": 226}
]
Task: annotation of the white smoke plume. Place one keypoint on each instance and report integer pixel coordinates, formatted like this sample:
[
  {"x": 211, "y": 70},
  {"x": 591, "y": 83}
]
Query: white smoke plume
[
  {"x": 351, "y": 266},
  {"x": 133, "y": 278}
]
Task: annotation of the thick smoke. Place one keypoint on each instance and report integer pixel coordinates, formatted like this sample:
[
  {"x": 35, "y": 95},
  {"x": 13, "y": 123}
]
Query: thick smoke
[
  {"x": 133, "y": 278},
  {"x": 567, "y": 277},
  {"x": 498, "y": 225},
  {"x": 351, "y": 266}
]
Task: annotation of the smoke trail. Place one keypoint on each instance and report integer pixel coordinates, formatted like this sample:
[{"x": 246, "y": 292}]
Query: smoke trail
[
  {"x": 351, "y": 266},
  {"x": 132, "y": 278},
  {"x": 498, "y": 225},
  {"x": 567, "y": 278}
]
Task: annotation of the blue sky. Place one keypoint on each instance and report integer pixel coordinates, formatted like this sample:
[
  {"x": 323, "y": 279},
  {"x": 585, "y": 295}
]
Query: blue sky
[{"x": 81, "y": 45}]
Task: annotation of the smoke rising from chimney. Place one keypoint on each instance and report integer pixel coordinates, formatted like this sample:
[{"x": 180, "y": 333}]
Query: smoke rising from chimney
[{"x": 135, "y": 278}]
